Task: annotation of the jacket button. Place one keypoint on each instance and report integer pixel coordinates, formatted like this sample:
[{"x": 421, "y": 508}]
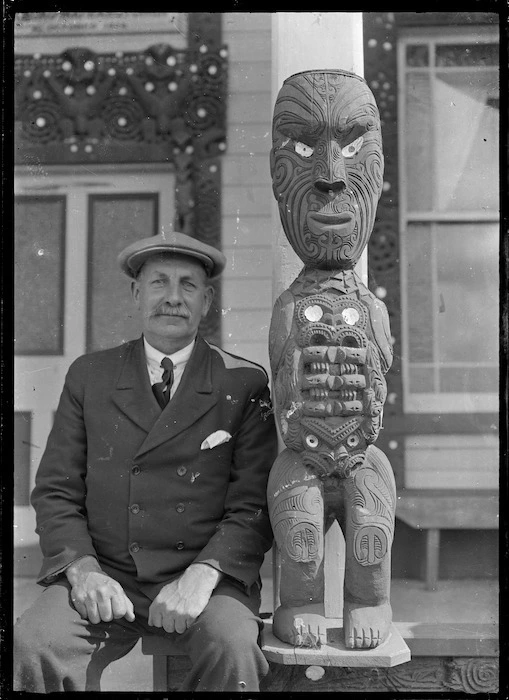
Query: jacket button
[
  {"x": 181, "y": 471},
  {"x": 180, "y": 507},
  {"x": 180, "y": 545},
  {"x": 135, "y": 508},
  {"x": 136, "y": 470},
  {"x": 134, "y": 547}
]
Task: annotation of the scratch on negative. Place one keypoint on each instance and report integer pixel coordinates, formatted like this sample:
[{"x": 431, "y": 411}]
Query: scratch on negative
[{"x": 285, "y": 486}]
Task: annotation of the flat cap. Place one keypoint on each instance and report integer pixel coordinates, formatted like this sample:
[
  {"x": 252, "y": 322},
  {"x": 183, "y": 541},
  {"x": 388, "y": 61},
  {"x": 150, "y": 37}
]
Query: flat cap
[{"x": 132, "y": 258}]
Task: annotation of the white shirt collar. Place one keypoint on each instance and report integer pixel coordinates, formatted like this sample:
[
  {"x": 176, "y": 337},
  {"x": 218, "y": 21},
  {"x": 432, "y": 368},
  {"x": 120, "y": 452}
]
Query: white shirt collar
[{"x": 155, "y": 356}]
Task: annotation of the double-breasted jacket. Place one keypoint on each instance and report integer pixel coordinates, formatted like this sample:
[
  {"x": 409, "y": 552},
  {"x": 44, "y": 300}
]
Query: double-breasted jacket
[{"x": 139, "y": 488}]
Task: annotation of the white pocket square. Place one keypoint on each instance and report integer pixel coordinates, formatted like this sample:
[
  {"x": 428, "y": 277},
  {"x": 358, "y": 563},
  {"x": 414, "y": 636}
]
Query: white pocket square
[{"x": 215, "y": 439}]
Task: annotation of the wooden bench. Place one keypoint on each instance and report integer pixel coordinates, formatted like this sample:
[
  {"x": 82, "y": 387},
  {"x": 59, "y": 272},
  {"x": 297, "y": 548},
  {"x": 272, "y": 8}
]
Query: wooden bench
[
  {"x": 434, "y": 510},
  {"x": 438, "y": 651},
  {"x": 169, "y": 664},
  {"x": 426, "y": 510}
]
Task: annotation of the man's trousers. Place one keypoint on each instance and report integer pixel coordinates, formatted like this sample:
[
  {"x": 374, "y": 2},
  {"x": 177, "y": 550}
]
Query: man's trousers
[{"x": 56, "y": 650}]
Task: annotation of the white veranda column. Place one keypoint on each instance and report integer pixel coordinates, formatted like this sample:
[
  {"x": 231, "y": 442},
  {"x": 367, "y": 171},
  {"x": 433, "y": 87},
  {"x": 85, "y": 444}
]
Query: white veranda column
[{"x": 307, "y": 41}]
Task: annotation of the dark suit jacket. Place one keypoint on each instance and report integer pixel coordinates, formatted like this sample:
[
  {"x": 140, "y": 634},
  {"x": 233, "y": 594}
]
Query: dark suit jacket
[{"x": 129, "y": 484}]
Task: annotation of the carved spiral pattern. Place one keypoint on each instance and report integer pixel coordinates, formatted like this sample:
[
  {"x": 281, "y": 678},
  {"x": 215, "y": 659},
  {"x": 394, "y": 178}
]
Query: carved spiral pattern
[
  {"x": 41, "y": 121},
  {"x": 122, "y": 118},
  {"x": 211, "y": 66},
  {"x": 202, "y": 112},
  {"x": 373, "y": 493},
  {"x": 474, "y": 675}
]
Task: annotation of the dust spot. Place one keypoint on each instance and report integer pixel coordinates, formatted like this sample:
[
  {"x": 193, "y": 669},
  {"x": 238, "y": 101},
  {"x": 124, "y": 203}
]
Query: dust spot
[{"x": 106, "y": 459}]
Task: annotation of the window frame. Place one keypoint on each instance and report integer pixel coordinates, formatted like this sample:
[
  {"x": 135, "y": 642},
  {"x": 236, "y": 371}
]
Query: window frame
[{"x": 423, "y": 403}]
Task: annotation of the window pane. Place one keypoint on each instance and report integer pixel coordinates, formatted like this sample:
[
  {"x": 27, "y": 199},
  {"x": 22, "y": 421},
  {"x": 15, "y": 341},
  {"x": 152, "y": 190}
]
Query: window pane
[
  {"x": 466, "y": 133},
  {"x": 467, "y": 269},
  {"x": 22, "y": 424},
  {"x": 417, "y": 242},
  {"x": 422, "y": 380},
  {"x": 39, "y": 275},
  {"x": 115, "y": 222},
  {"x": 417, "y": 55},
  {"x": 469, "y": 379},
  {"x": 418, "y": 142},
  {"x": 467, "y": 55}
]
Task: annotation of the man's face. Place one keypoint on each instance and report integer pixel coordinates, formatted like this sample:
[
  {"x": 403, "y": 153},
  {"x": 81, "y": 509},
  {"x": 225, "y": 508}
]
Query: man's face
[
  {"x": 173, "y": 296},
  {"x": 327, "y": 166}
]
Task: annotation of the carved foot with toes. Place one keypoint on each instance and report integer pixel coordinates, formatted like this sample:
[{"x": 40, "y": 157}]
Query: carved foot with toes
[
  {"x": 301, "y": 626},
  {"x": 366, "y": 627}
]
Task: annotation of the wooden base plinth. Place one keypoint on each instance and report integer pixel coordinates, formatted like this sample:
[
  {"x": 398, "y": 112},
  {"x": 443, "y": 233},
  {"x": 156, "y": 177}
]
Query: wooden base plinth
[{"x": 392, "y": 652}]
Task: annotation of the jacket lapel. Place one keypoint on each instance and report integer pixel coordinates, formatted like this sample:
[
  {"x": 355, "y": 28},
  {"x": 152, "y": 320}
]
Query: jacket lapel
[
  {"x": 133, "y": 394},
  {"x": 194, "y": 397}
]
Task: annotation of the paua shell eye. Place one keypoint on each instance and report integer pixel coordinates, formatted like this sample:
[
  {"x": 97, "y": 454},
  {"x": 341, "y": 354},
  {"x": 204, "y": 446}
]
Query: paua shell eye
[
  {"x": 350, "y": 316},
  {"x": 352, "y": 440},
  {"x": 353, "y": 148},
  {"x": 303, "y": 149},
  {"x": 313, "y": 313},
  {"x": 311, "y": 441}
]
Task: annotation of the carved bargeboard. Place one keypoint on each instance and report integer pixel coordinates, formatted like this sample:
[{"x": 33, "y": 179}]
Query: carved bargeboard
[
  {"x": 158, "y": 105},
  {"x": 330, "y": 348}
]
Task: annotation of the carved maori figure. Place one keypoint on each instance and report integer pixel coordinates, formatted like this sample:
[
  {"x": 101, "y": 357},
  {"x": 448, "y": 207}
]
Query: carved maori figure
[
  {"x": 330, "y": 347},
  {"x": 87, "y": 88}
]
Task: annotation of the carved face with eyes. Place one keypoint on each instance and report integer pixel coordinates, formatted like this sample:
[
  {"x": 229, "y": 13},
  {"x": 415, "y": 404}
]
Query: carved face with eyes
[{"x": 327, "y": 166}]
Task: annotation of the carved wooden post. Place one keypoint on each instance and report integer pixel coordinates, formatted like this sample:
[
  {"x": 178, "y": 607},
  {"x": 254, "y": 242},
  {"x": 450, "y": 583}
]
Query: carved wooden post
[{"x": 329, "y": 350}]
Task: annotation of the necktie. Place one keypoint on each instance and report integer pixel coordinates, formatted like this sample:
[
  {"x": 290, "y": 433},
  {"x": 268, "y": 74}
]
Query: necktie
[{"x": 162, "y": 389}]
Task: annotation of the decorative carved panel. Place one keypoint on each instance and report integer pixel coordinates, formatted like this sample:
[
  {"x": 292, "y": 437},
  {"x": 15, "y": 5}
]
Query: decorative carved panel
[
  {"x": 423, "y": 674},
  {"x": 158, "y": 105},
  {"x": 380, "y": 72}
]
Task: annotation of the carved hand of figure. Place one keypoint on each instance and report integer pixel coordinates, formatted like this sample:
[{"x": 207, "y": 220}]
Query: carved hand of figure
[{"x": 334, "y": 378}]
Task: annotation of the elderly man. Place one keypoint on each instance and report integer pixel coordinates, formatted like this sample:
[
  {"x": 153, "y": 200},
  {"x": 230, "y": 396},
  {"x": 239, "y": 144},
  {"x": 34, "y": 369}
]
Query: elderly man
[{"x": 151, "y": 494}]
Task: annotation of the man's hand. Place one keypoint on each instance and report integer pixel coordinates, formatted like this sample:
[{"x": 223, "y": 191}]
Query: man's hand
[
  {"x": 180, "y": 602},
  {"x": 95, "y": 595}
]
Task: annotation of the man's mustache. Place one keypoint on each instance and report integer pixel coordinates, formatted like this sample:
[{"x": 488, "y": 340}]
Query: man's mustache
[{"x": 171, "y": 311}]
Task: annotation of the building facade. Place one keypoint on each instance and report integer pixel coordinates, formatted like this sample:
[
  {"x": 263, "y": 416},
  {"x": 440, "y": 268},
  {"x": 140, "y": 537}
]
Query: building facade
[{"x": 129, "y": 122}]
